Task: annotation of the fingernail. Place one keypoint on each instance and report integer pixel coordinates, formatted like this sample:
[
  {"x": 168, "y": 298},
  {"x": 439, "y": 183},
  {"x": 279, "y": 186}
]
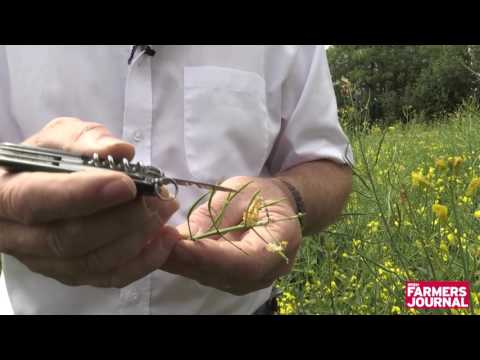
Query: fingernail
[
  {"x": 108, "y": 141},
  {"x": 118, "y": 191},
  {"x": 165, "y": 194}
]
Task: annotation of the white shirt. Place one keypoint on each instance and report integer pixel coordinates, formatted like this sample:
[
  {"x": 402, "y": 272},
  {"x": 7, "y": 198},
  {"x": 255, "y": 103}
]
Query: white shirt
[{"x": 205, "y": 112}]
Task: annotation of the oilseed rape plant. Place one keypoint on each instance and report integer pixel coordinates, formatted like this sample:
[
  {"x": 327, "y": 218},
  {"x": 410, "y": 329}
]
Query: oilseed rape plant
[
  {"x": 255, "y": 215},
  {"x": 414, "y": 214}
]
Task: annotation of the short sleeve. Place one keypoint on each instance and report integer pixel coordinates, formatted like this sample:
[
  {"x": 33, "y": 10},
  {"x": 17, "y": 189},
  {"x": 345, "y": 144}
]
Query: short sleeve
[{"x": 310, "y": 126}]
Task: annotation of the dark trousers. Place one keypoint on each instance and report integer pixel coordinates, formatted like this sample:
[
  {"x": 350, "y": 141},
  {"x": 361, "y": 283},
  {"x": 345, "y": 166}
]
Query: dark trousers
[{"x": 270, "y": 307}]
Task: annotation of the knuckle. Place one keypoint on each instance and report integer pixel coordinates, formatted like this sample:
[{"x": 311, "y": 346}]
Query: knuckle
[
  {"x": 17, "y": 202},
  {"x": 56, "y": 241},
  {"x": 69, "y": 235},
  {"x": 14, "y": 206},
  {"x": 7, "y": 201}
]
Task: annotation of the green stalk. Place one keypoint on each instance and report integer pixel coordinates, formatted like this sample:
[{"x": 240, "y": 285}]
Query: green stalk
[{"x": 242, "y": 227}]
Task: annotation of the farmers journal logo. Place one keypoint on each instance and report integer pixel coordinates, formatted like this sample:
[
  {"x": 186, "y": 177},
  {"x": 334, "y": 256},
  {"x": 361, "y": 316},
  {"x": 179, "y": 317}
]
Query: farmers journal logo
[{"x": 437, "y": 295}]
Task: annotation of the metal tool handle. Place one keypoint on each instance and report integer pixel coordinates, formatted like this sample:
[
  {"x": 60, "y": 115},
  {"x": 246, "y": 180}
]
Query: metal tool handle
[{"x": 148, "y": 180}]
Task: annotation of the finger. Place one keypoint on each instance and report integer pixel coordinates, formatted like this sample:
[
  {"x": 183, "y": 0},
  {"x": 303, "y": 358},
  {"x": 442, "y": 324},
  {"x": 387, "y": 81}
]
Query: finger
[
  {"x": 150, "y": 259},
  {"x": 42, "y": 197},
  {"x": 78, "y": 236},
  {"x": 237, "y": 267},
  {"x": 77, "y": 270},
  {"x": 164, "y": 208},
  {"x": 218, "y": 264},
  {"x": 202, "y": 218},
  {"x": 80, "y": 137}
]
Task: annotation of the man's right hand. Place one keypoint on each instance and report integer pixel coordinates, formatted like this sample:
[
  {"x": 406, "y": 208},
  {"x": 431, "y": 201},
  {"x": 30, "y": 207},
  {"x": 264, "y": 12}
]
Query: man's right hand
[{"x": 84, "y": 228}]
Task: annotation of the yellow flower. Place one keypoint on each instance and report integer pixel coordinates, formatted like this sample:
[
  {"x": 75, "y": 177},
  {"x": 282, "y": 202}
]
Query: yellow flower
[
  {"x": 396, "y": 310},
  {"x": 472, "y": 188},
  {"x": 286, "y": 304},
  {"x": 441, "y": 211},
  {"x": 451, "y": 239},
  {"x": 441, "y": 164},
  {"x": 476, "y": 298},
  {"x": 251, "y": 215},
  {"x": 333, "y": 285},
  {"x": 373, "y": 226},
  {"x": 418, "y": 179},
  {"x": 477, "y": 214},
  {"x": 465, "y": 199},
  {"x": 455, "y": 162},
  {"x": 444, "y": 246},
  {"x": 278, "y": 248},
  {"x": 356, "y": 243}
]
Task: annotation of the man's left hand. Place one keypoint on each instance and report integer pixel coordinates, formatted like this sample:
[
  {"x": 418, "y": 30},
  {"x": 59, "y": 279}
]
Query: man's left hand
[{"x": 215, "y": 262}]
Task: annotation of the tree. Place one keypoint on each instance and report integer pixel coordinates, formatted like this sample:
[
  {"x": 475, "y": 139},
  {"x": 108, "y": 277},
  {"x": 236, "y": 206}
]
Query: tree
[{"x": 392, "y": 78}]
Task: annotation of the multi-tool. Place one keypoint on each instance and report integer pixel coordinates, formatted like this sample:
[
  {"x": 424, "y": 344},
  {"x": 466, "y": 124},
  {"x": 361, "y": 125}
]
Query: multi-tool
[{"x": 149, "y": 180}]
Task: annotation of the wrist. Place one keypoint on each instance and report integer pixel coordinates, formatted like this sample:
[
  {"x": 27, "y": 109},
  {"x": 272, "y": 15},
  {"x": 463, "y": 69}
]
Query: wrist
[{"x": 294, "y": 196}]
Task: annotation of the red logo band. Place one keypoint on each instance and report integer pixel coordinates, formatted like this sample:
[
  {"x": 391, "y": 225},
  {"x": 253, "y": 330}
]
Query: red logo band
[{"x": 437, "y": 295}]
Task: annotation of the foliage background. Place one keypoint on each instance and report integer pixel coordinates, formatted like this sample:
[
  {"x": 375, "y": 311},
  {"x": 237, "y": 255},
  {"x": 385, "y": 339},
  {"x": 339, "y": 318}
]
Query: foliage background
[
  {"x": 413, "y": 117},
  {"x": 401, "y": 82}
]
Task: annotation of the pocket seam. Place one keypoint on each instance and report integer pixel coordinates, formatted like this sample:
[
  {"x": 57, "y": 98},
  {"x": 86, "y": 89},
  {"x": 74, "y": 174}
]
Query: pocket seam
[{"x": 224, "y": 78}]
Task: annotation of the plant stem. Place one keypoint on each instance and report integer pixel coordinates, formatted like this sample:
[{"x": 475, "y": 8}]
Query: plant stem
[{"x": 242, "y": 226}]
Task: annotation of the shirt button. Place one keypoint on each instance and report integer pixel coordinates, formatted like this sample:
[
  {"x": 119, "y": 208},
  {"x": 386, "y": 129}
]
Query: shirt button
[
  {"x": 134, "y": 296},
  {"x": 131, "y": 297},
  {"x": 137, "y": 136}
]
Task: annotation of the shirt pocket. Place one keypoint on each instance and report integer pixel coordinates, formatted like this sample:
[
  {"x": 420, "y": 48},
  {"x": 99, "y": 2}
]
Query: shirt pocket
[{"x": 225, "y": 122}]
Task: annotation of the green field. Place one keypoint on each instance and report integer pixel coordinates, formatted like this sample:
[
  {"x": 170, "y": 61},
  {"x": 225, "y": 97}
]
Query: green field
[{"x": 391, "y": 231}]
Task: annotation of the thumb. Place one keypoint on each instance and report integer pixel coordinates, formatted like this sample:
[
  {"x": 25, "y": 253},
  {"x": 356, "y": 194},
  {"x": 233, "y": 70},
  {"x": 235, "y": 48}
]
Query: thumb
[
  {"x": 201, "y": 220},
  {"x": 81, "y": 137},
  {"x": 187, "y": 231},
  {"x": 198, "y": 223}
]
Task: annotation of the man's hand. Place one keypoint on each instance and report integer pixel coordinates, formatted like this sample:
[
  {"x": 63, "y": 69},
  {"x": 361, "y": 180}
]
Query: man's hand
[
  {"x": 216, "y": 263},
  {"x": 85, "y": 228}
]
